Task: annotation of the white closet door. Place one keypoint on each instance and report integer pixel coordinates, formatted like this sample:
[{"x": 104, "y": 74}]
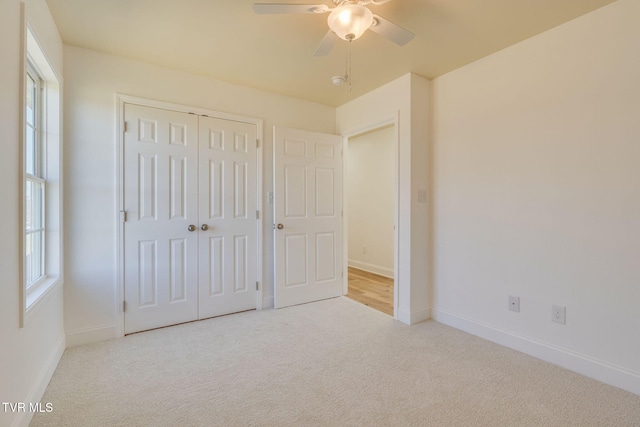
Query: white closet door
[
  {"x": 228, "y": 207},
  {"x": 160, "y": 196},
  {"x": 308, "y": 216}
]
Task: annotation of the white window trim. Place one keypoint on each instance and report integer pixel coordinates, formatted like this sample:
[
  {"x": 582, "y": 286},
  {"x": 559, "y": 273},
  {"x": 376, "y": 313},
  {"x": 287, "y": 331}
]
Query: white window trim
[
  {"x": 33, "y": 297},
  {"x": 39, "y": 174}
]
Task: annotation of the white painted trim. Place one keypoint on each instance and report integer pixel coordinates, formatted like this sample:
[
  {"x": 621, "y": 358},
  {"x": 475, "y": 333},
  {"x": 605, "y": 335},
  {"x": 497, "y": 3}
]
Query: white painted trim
[
  {"x": 413, "y": 317},
  {"x": 261, "y": 208},
  {"x": 145, "y": 102},
  {"x": 42, "y": 294},
  {"x": 90, "y": 335},
  {"x": 37, "y": 391},
  {"x": 392, "y": 119},
  {"x": 372, "y": 268},
  {"x": 35, "y": 58},
  {"x": 22, "y": 292},
  {"x": 345, "y": 215},
  {"x": 588, "y": 366},
  {"x": 119, "y": 137},
  {"x": 120, "y": 101},
  {"x": 268, "y": 302},
  {"x": 396, "y": 217}
]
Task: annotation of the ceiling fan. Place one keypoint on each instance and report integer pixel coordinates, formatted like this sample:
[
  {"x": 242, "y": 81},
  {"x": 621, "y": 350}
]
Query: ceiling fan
[{"x": 348, "y": 20}]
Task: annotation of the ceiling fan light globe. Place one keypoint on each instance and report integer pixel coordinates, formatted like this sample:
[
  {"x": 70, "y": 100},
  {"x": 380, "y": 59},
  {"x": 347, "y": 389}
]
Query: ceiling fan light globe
[{"x": 350, "y": 21}]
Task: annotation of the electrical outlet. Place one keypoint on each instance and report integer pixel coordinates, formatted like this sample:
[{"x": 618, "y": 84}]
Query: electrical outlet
[
  {"x": 558, "y": 314},
  {"x": 514, "y": 304}
]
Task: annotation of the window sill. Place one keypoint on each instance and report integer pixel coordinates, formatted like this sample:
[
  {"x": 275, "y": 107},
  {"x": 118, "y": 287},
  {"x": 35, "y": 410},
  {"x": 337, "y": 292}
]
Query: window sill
[{"x": 37, "y": 294}]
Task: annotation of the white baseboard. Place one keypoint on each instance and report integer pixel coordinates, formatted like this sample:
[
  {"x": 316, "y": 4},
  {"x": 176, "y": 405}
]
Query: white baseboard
[
  {"x": 91, "y": 335},
  {"x": 23, "y": 419},
  {"x": 413, "y": 317},
  {"x": 588, "y": 366},
  {"x": 372, "y": 268}
]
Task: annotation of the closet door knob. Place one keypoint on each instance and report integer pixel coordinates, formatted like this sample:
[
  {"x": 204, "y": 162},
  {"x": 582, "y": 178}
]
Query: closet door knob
[
  {"x": 280, "y": 226},
  {"x": 204, "y": 227},
  {"x": 191, "y": 227}
]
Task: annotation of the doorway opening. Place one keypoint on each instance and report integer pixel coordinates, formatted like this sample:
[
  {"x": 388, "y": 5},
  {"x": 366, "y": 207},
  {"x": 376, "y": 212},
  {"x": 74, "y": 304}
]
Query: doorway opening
[{"x": 370, "y": 175}]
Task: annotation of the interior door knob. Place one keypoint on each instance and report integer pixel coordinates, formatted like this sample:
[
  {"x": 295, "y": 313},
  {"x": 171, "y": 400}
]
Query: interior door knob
[
  {"x": 191, "y": 227},
  {"x": 280, "y": 226},
  {"x": 204, "y": 227}
]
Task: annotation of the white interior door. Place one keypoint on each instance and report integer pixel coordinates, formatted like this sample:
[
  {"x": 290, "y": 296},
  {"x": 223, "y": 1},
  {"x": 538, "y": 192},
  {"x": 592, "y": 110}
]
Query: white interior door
[
  {"x": 228, "y": 206},
  {"x": 160, "y": 196},
  {"x": 308, "y": 216},
  {"x": 191, "y": 229}
]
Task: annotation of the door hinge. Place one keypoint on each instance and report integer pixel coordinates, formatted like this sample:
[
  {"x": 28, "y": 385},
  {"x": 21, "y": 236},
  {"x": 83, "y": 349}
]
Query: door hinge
[
  {"x": 257, "y": 143},
  {"x": 124, "y": 306},
  {"x": 123, "y": 216},
  {"x": 257, "y": 286},
  {"x": 257, "y": 214},
  {"x": 124, "y": 126}
]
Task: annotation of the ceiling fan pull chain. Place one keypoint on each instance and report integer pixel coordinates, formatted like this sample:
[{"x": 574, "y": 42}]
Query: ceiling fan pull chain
[{"x": 349, "y": 66}]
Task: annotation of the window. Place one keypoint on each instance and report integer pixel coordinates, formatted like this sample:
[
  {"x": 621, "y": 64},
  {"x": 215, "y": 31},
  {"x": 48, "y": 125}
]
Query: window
[
  {"x": 35, "y": 184},
  {"x": 41, "y": 187}
]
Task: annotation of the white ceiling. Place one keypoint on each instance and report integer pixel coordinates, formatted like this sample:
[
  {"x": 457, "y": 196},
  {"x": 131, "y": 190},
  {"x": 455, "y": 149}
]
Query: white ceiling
[{"x": 225, "y": 39}]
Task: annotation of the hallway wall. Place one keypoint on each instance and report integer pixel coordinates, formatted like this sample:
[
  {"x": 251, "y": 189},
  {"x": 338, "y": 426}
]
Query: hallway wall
[{"x": 371, "y": 186}]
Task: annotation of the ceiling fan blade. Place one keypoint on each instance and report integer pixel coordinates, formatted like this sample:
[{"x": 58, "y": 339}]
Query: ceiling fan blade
[
  {"x": 327, "y": 43},
  {"x": 274, "y": 8},
  {"x": 391, "y": 31}
]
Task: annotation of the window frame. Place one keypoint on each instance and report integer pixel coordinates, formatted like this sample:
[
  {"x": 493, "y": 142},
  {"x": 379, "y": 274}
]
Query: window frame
[
  {"x": 50, "y": 175},
  {"x": 37, "y": 178}
]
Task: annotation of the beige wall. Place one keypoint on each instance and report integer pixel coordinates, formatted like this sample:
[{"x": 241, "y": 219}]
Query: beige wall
[
  {"x": 371, "y": 204},
  {"x": 537, "y": 194},
  {"x": 28, "y": 355}
]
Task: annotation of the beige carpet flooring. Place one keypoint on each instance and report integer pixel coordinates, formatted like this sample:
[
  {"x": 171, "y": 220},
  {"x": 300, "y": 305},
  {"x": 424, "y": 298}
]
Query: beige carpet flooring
[{"x": 330, "y": 363}]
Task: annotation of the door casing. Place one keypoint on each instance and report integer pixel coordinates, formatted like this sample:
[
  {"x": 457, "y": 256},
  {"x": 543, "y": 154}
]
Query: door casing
[{"x": 121, "y": 100}]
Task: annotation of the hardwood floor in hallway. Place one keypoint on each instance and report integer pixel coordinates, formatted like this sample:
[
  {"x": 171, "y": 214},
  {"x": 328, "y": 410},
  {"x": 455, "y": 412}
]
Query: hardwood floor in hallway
[{"x": 371, "y": 289}]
